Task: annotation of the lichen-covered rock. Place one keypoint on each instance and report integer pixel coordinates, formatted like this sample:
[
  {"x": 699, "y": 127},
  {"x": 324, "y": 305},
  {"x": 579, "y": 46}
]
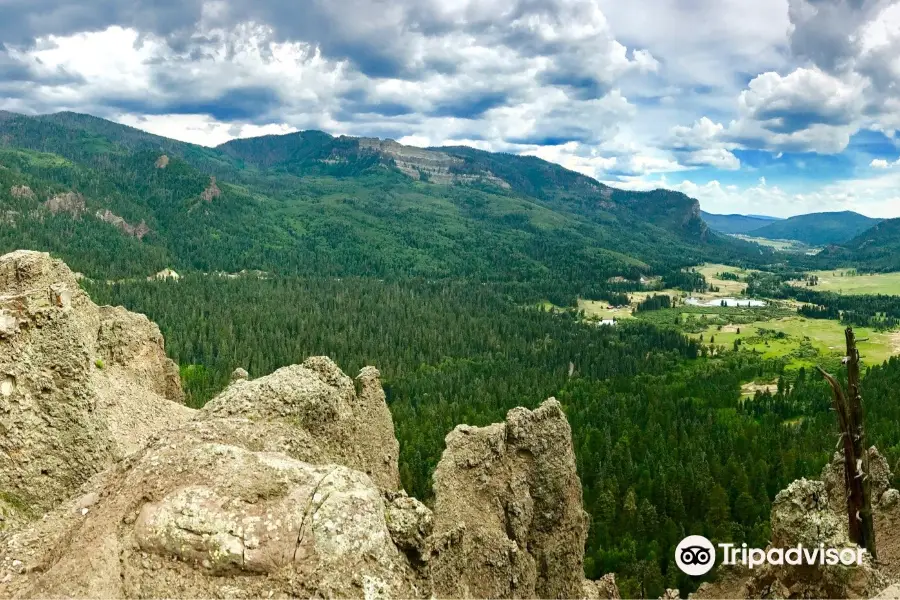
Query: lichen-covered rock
[
  {"x": 508, "y": 505},
  {"x": 240, "y": 374},
  {"x": 321, "y": 405},
  {"x": 670, "y": 594},
  {"x": 802, "y": 514},
  {"x": 80, "y": 386},
  {"x": 604, "y": 588},
  {"x": 187, "y": 518},
  {"x": 889, "y": 499},
  {"x": 411, "y": 524},
  {"x": 833, "y": 477}
]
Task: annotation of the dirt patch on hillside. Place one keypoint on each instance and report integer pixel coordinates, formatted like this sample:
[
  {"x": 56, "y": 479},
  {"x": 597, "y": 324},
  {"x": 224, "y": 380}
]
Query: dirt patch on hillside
[
  {"x": 750, "y": 389},
  {"x": 211, "y": 192},
  {"x": 895, "y": 342}
]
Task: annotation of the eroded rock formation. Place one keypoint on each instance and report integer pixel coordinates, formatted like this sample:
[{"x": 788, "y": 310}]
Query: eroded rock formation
[
  {"x": 511, "y": 496},
  {"x": 286, "y": 485},
  {"x": 802, "y": 514},
  {"x": 80, "y": 386}
]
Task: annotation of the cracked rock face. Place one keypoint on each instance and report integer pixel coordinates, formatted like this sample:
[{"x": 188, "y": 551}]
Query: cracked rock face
[
  {"x": 81, "y": 386},
  {"x": 187, "y": 518},
  {"x": 321, "y": 405},
  {"x": 509, "y": 498},
  {"x": 833, "y": 476}
]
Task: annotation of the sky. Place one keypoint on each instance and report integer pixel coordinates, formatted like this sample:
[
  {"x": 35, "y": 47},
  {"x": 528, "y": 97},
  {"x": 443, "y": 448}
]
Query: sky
[{"x": 776, "y": 107}]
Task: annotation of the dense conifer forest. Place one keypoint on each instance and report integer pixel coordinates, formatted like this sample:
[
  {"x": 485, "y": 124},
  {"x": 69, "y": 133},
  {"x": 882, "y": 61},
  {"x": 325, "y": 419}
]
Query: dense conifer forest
[{"x": 665, "y": 442}]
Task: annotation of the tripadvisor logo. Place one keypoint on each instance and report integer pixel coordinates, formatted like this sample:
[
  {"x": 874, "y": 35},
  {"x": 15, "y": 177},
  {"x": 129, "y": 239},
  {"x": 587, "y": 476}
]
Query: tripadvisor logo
[{"x": 695, "y": 555}]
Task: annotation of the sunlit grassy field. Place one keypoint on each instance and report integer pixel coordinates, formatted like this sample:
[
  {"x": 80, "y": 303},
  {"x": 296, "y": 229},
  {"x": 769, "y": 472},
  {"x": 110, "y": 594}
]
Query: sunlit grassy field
[
  {"x": 825, "y": 337},
  {"x": 781, "y": 245},
  {"x": 726, "y": 287},
  {"x": 846, "y": 282}
]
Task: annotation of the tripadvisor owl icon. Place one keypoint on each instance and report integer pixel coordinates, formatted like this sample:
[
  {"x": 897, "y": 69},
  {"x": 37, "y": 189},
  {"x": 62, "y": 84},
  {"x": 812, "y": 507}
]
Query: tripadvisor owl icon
[{"x": 695, "y": 555}]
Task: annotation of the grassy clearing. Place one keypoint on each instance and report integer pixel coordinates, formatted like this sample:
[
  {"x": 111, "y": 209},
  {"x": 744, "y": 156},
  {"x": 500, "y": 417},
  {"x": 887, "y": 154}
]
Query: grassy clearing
[
  {"x": 844, "y": 281},
  {"x": 726, "y": 287},
  {"x": 805, "y": 341},
  {"x": 598, "y": 309},
  {"x": 780, "y": 245}
]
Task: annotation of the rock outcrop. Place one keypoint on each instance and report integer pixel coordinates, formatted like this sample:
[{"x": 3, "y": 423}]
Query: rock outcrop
[
  {"x": 802, "y": 514},
  {"x": 604, "y": 588},
  {"x": 508, "y": 499},
  {"x": 80, "y": 386},
  {"x": 324, "y": 419},
  {"x": 21, "y": 192},
  {"x": 138, "y": 231},
  {"x": 69, "y": 202},
  {"x": 833, "y": 477},
  {"x": 286, "y": 485}
]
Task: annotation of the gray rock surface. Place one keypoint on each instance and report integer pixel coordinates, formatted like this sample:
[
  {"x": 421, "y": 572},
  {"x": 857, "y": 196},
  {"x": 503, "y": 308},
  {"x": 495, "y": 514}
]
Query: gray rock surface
[
  {"x": 508, "y": 502},
  {"x": 802, "y": 514},
  {"x": 604, "y": 588},
  {"x": 80, "y": 386},
  {"x": 322, "y": 407},
  {"x": 833, "y": 477}
]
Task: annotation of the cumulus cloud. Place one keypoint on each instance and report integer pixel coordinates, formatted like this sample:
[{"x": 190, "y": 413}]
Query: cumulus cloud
[
  {"x": 880, "y": 163},
  {"x": 608, "y": 88},
  {"x": 846, "y": 79}
]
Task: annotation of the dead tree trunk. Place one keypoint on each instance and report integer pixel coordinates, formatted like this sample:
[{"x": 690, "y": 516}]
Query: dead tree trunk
[{"x": 858, "y": 485}]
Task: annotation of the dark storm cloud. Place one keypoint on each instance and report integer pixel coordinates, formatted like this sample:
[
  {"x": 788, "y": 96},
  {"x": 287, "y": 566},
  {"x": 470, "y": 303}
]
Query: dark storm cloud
[
  {"x": 249, "y": 105},
  {"x": 581, "y": 86},
  {"x": 822, "y": 29},
  {"x": 13, "y": 70},
  {"x": 469, "y": 106},
  {"x": 24, "y": 20},
  {"x": 790, "y": 121}
]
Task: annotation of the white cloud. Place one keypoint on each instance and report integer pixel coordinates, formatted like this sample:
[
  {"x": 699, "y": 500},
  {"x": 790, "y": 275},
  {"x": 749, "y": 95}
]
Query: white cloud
[
  {"x": 616, "y": 90},
  {"x": 199, "y": 129},
  {"x": 880, "y": 163}
]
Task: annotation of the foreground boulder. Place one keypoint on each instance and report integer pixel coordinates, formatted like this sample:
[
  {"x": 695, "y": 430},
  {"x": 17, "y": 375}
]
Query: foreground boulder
[
  {"x": 80, "y": 386},
  {"x": 251, "y": 499},
  {"x": 509, "y": 499},
  {"x": 802, "y": 514}
]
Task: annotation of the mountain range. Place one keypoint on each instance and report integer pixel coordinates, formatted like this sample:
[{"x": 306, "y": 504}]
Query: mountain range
[
  {"x": 736, "y": 224},
  {"x": 814, "y": 229},
  {"x": 116, "y": 202}
]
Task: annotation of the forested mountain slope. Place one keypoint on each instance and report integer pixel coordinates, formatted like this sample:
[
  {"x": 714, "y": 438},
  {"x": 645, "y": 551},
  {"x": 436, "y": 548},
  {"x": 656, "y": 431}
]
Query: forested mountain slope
[
  {"x": 876, "y": 249},
  {"x": 116, "y": 202},
  {"x": 818, "y": 229}
]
